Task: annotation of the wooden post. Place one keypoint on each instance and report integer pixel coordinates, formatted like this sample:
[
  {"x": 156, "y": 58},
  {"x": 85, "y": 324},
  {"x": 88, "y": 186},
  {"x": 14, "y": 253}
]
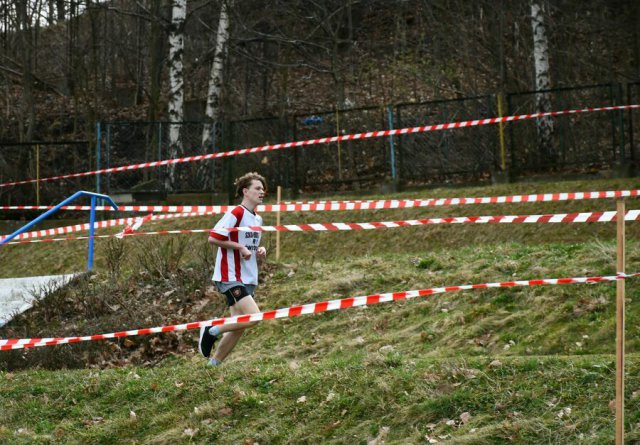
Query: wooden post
[
  {"x": 620, "y": 296},
  {"x": 279, "y": 197}
]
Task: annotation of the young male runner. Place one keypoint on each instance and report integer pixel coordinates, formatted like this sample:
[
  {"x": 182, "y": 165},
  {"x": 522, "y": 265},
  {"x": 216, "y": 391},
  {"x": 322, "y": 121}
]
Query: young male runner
[{"x": 236, "y": 268}]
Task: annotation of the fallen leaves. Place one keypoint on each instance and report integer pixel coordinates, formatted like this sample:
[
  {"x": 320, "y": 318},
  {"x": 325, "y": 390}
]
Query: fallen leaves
[
  {"x": 190, "y": 432},
  {"x": 566, "y": 411},
  {"x": 379, "y": 439},
  {"x": 330, "y": 397},
  {"x": 95, "y": 420},
  {"x": 225, "y": 411}
]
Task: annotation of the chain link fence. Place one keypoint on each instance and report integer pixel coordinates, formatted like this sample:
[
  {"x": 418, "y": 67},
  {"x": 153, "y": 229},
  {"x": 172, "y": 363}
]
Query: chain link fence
[
  {"x": 20, "y": 161},
  {"x": 582, "y": 142},
  {"x": 123, "y": 143},
  {"x": 465, "y": 154},
  {"x": 576, "y": 143},
  {"x": 350, "y": 164},
  {"x": 275, "y": 166}
]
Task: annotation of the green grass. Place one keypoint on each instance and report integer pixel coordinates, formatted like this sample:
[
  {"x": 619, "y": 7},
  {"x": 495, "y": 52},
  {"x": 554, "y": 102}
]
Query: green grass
[
  {"x": 335, "y": 398},
  {"x": 66, "y": 257},
  {"x": 510, "y": 365}
]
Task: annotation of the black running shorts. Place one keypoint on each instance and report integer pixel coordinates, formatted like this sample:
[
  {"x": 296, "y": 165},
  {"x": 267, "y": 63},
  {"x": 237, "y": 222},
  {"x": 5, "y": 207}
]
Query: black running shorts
[{"x": 236, "y": 294}]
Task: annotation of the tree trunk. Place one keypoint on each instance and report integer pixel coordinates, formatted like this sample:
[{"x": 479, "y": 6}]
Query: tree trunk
[
  {"x": 60, "y": 10},
  {"x": 156, "y": 45},
  {"x": 211, "y": 128},
  {"x": 176, "y": 85},
  {"x": 27, "y": 109},
  {"x": 636, "y": 40},
  {"x": 157, "y": 50},
  {"x": 544, "y": 125}
]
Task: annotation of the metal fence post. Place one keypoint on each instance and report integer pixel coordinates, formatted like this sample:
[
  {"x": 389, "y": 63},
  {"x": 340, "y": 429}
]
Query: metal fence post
[
  {"x": 37, "y": 174},
  {"x": 98, "y": 137},
  {"x": 159, "y": 174},
  {"x": 296, "y": 179},
  {"x": 108, "y": 157},
  {"x": 632, "y": 148},
  {"x": 400, "y": 157},
  {"x": 514, "y": 166},
  {"x": 503, "y": 152},
  {"x": 92, "y": 220},
  {"x": 392, "y": 154},
  {"x": 621, "y": 115},
  {"x": 612, "y": 102}
]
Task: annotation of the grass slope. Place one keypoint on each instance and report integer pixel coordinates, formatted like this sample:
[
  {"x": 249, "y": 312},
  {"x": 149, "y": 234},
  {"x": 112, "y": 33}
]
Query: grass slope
[
  {"x": 512, "y": 365},
  {"x": 346, "y": 398}
]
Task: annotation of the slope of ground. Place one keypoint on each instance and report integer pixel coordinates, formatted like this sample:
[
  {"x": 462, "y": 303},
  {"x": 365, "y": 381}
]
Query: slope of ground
[{"x": 512, "y": 365}]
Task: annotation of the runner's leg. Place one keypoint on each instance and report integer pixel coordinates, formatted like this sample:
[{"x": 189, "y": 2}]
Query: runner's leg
[{"x": 233, "y": 332}]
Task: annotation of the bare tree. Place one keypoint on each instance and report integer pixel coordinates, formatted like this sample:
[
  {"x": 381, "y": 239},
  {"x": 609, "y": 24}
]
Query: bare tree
[
  {"x": 210, "y": 129},
  {"x": 212, "y": 111},
  {"x": 176, "y": 85},
  {"x": 542, "y": 81}
]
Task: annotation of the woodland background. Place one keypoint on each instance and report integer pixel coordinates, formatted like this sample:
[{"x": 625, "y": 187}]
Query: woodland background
[{"x": 66, "y": 65}]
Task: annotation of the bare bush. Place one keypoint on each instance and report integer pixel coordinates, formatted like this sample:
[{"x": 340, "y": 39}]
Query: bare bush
[{"x": 161, "y": 258}]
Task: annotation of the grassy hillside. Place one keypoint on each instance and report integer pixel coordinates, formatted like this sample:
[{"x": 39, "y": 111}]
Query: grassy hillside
[
  {"x": 518, "y": 365},
  {"x": 66, "y": 257},
  {"x": 346, "y": 398}
]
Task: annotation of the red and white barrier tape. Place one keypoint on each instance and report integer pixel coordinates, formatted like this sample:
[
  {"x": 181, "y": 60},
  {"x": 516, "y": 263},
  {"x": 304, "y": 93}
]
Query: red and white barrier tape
[
  {"x": 372, "y": 134},
  {"x": 194, "y": 211},
  {"x": 98, "y": 225},
  {"x": 72, "y": 229},
  {"x": 631, "y": 215},
  {"x": 312, "y": 308},
  {"x": 586, "y": 217},
  {"x": 313, "y": 206},
  {"x": 131, "y": 228}
]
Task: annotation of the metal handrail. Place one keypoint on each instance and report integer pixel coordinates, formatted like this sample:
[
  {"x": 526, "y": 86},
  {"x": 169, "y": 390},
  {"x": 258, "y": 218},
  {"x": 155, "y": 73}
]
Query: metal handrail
[{"x": 92, "y": 220}]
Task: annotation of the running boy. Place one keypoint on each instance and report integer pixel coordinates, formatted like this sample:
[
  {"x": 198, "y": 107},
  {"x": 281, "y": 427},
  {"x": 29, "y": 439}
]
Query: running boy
[{"x": 236, "y": 268}]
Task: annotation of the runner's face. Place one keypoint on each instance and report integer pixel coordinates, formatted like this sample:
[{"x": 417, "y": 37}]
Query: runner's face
[{"x": 254, "y": 194}]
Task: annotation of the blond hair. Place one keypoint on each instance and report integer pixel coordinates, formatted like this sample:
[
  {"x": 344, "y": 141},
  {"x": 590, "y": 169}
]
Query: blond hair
[{"x": 244, "y": 182}]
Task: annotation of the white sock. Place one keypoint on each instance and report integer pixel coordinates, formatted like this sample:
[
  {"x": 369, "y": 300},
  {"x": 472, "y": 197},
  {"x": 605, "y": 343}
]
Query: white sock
[{"x": 214, "y": 330}]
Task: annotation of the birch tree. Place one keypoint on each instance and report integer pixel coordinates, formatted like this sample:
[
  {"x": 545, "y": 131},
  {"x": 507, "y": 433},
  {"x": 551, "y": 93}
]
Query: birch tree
[
  {"x": 211, "y": 128},
  {"x": 176, "y": 84},
  {"x": 544, "y": 125}
]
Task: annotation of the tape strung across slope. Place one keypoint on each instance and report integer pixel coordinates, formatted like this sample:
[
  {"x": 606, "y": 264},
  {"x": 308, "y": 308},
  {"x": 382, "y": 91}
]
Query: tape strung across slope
[
  {"x": 567, "y": 218},
  {"x": 194, "y": 211},
  {"x": 312, "y": 308},
  {"x": 349, "y": 137},
  {"x": 317, "y": 206}
]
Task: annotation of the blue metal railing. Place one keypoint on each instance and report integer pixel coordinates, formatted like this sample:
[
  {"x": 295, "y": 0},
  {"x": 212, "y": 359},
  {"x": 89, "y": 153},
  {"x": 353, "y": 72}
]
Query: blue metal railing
[{"x": 92, "y": 220}]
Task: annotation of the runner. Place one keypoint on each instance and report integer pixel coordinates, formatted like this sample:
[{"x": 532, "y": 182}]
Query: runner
[{"x": 236, "y": 268}]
